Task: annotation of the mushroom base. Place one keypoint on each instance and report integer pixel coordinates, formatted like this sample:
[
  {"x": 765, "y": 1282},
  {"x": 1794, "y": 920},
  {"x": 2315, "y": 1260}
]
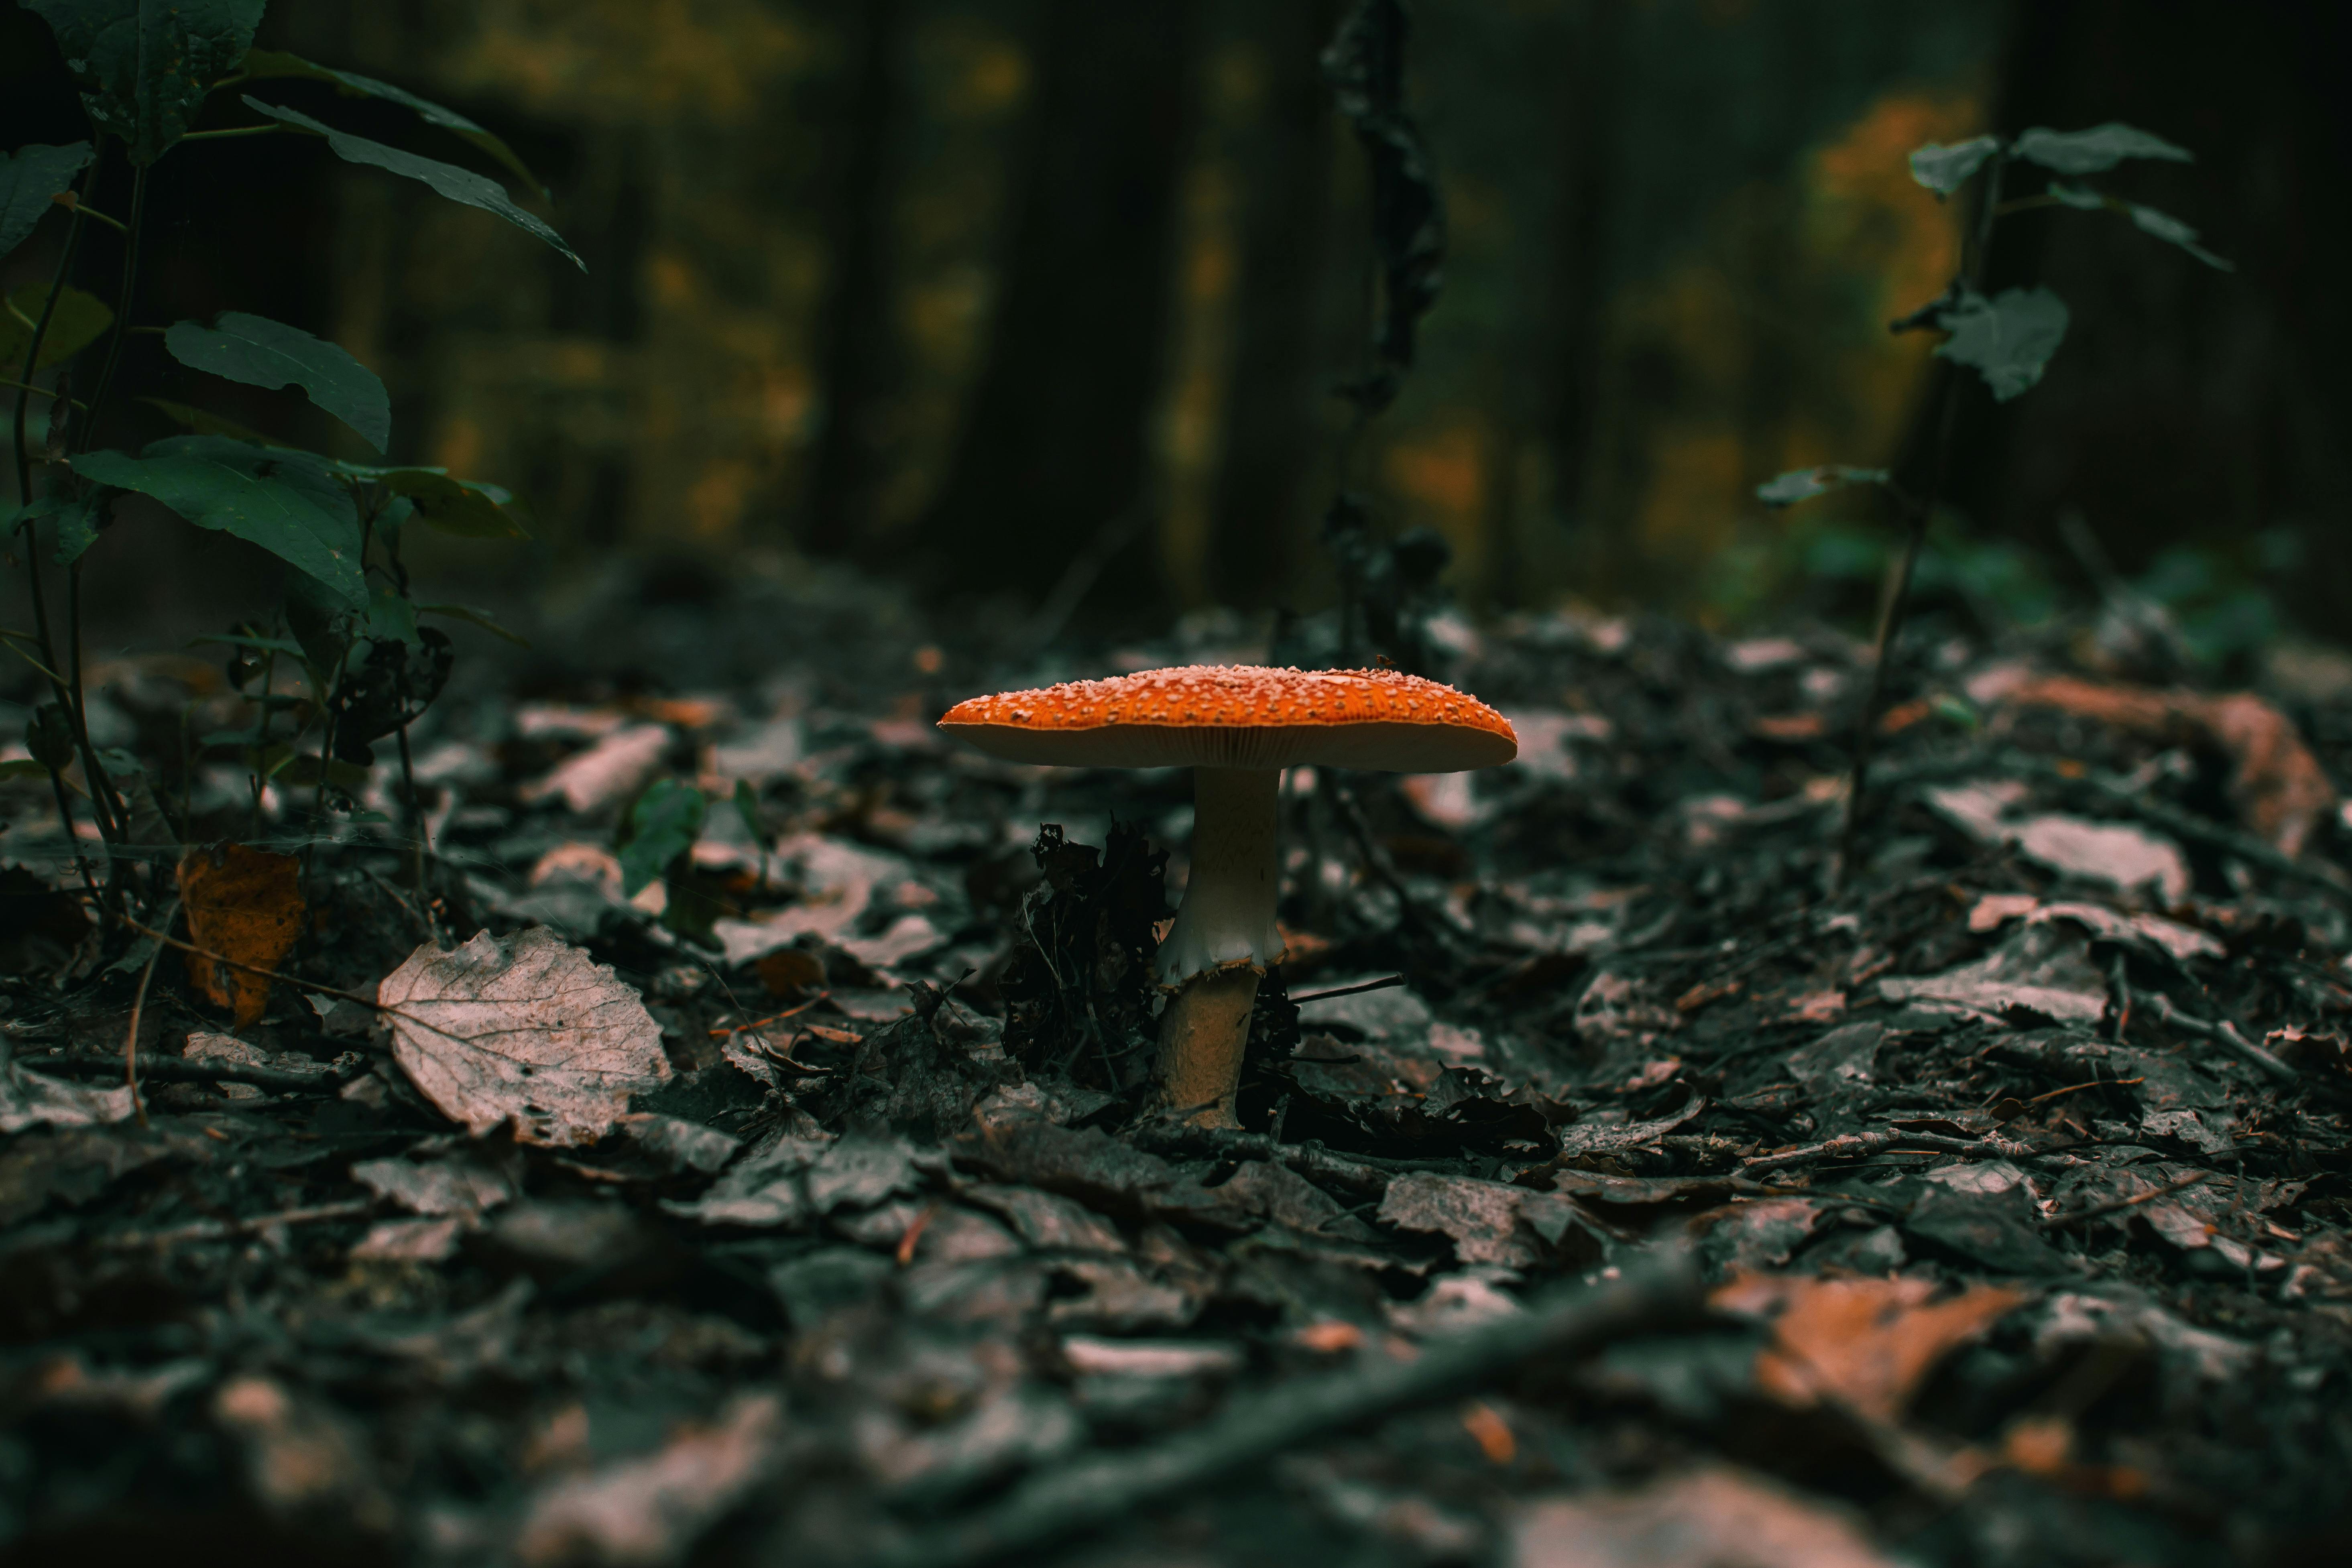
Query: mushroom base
[{"x": 1201, "y": 1033}]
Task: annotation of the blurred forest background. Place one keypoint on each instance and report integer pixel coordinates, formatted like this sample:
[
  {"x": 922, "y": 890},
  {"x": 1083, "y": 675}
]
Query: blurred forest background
[{"x": 965, "y": 290}]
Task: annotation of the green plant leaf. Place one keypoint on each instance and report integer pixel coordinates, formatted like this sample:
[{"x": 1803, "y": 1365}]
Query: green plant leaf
[
  {"x": 258, "y": 352},
  {"x": 1944, "y": 170},
  {"x": 391, "y": 618},
  {"x": 473, "y": 616},
  {"x": 2100, "y": 147},
  {"x": 287, "y": 502},
  {"x": 663, "y": 825},
  {"x": 268, "y": 65},
  {"x": 458, "y": 184},
  {"x": 2007, "y": 339},
  {"x": 77, "y": 524},
  {"x": 22, "y": 768},
  {"x": 81, "y": 321},
  {"x": 189, "y": 418},
  {"x": 454, "y": 506},
  {"x": 145, "y": 65},
  {"x": 1804, "y": 484},
  {"x": 29, "y": 178},
  {"x": 2148, "y": 220}
]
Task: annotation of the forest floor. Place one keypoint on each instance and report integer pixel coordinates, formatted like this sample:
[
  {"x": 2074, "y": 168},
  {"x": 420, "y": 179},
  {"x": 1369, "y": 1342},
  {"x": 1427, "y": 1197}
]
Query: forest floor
[{"x": 1613, "y": 1190}]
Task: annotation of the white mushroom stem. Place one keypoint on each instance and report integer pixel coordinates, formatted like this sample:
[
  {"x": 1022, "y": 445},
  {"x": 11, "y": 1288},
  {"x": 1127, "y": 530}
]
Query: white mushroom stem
[{"x": 1221, "y": 940}]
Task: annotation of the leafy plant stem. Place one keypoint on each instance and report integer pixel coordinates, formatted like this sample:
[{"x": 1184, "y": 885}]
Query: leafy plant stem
[
  {"x": 47, "y": 662},
  {"x": 103, "y": 803},
  {"x": 116, "y": 223},
  {"x": 122, "y": 307},
  {"x": 417, "y": 816},
  {"x": 1918, "y": 510}
]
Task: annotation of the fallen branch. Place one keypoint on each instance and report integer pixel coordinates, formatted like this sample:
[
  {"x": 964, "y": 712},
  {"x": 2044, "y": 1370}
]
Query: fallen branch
[
  {"x": 1653, "y": 1295},
  {"x": 1853, "y": 1145},
  {"x": 1358, "y": 1172},
  {"x": 2117, "y": 1205},
  {"x": 222, "y": 1229},
  {"x": 173, "y": 1069},
  {"x": 2227, "y": 1033}
]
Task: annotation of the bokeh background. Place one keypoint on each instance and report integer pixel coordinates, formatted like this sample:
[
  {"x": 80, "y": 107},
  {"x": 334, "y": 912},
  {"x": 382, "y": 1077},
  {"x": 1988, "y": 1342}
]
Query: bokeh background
[{"x": 960, "y": 291}]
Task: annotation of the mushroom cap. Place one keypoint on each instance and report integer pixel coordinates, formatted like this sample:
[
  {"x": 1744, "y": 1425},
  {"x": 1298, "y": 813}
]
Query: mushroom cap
[{"x": 1240, "y": 716}]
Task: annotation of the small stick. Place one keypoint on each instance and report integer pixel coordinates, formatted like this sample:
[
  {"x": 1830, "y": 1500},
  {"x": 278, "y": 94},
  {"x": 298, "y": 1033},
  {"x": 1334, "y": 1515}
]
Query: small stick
[
  {"x": 2100, "y": 1211},
  {"x": 1380, "y": 985},
  {"x": 1852, "y": 1146},
  {"x": 2227, "y": 1033},
  {"x": 221, "y": 1229},
  {"x": 1651, "y": 1297},
  {"x": 139, "y": 1005}
]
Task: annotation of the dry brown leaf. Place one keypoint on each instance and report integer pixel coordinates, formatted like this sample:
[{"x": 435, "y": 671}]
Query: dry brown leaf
[
  {"x": 528, "y": 1029},
  {"x": 2278, "y": 786},
  {"x": 1709, "y": 1519},
  {"x": 1867, "y": 1345},
  {"x": 245, "y": 905}
]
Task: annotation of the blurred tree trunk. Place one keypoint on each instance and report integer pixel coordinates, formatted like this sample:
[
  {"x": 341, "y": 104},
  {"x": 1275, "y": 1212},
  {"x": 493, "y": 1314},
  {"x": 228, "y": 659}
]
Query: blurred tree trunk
[
  {"x": 1266, "y": 492},
  {"x": 857, "y": 365},
  {"x": 2186, "y": 405},
  {"x": 1053, "y": 462},
  {"x": 1550, "y": 395}
]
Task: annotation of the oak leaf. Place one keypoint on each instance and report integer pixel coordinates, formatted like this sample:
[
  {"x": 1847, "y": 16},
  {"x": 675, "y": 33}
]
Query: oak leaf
[{"x": 244, "y": 905}]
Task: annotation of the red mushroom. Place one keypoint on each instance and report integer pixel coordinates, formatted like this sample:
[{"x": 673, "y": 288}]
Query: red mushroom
[{"x": 1237, "y": 727}]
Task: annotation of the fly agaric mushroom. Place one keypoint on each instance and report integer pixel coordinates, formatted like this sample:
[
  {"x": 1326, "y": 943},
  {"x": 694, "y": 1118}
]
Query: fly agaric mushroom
[{"x": 1237, "y": 727}]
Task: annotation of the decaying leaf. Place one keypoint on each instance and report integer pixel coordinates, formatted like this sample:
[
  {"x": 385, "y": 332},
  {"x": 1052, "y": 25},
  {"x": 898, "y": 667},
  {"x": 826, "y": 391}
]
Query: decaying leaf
[
  {"x": 246, "y": 905},
  {"x": 652, "y": 1509},
  {"x": 527, "y": 1030},
  {"x": 1709, "y": 1519},
  {"x": 1867, "y": 1345}
]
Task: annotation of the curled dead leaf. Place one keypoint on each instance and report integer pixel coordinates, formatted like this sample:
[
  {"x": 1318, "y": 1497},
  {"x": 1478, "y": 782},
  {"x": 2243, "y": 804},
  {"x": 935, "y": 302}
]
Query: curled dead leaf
[{"x": 245, "y": 905}]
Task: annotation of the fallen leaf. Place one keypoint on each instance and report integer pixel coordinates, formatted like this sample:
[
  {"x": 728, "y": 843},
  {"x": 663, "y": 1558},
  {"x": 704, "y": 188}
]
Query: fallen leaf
[
  {"x": 653, "y": 1508},
  {"x": 527, "y": 1030},
  {"x": 246, "y": 905},
  {"x": 2278, "y": 786},
  {"x": 1867, "y": 1345},
  {"x": 1709, "y": 1519},
  {"x": 607, "y": 772},
  {"x": 30, "y": 1099}
]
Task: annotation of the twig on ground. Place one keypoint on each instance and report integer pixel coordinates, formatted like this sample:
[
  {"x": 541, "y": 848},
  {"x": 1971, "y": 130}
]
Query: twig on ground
[
  {"x": 1359, "y": 1172},
  {"x": 2100, "y": 1211},
  {"x": 1651, "y": 1297},
  {"x": 173, "y": 1069},
  {"x": 222, "y": 1229},
  {"x": 1853, "y": 1145},
  {"x": 2226, "y": 1033}
]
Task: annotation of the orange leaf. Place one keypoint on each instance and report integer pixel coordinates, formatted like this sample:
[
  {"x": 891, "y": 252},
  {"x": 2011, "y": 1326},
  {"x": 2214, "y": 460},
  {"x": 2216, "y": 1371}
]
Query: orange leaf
[
  {"x": 246, "y": 905},
  {"x": 1867, "y": 1344}
]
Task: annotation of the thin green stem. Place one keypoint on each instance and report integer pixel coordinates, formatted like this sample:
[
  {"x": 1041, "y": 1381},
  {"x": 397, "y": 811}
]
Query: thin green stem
[
  {"x": 42, "y": 391},
  {"x": 116, "y": 223},
  {"x": 121, "y": 308},
  {"x": 261, "y": 735},
  {"x": 236, "y": 131},
  {"x": 1917, "y": 513},
  {"x": 47, "y": 662}
]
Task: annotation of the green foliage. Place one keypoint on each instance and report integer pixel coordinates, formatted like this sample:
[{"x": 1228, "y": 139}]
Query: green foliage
[
  {"x": 447, "y": 179},
  {"x": 146, "y": 65},
  {"x": 2216, "y": 599},
  {"x": 30, "y": 177},
  {"x": 79, "y": 321},
  {"x": 1804, "y": 484},
  {"x": 2089, "y": 151},
  {"x": 289, "y": 503},
  {"x": 2148, "y": 220},
  {"x": 258, "y": 352},
  {"x": 663, "y": 825},
  {"x": 268, "y": 65},
  {"x": 50, "y": 737},
  {"x": 454, "y": 506},
  {"x": 1944, "y": 170},
  {"x": 2007, "y": 339}
]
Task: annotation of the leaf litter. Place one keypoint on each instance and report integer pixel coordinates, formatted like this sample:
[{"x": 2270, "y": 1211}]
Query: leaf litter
[{"x": 1606, "y": 1194}]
